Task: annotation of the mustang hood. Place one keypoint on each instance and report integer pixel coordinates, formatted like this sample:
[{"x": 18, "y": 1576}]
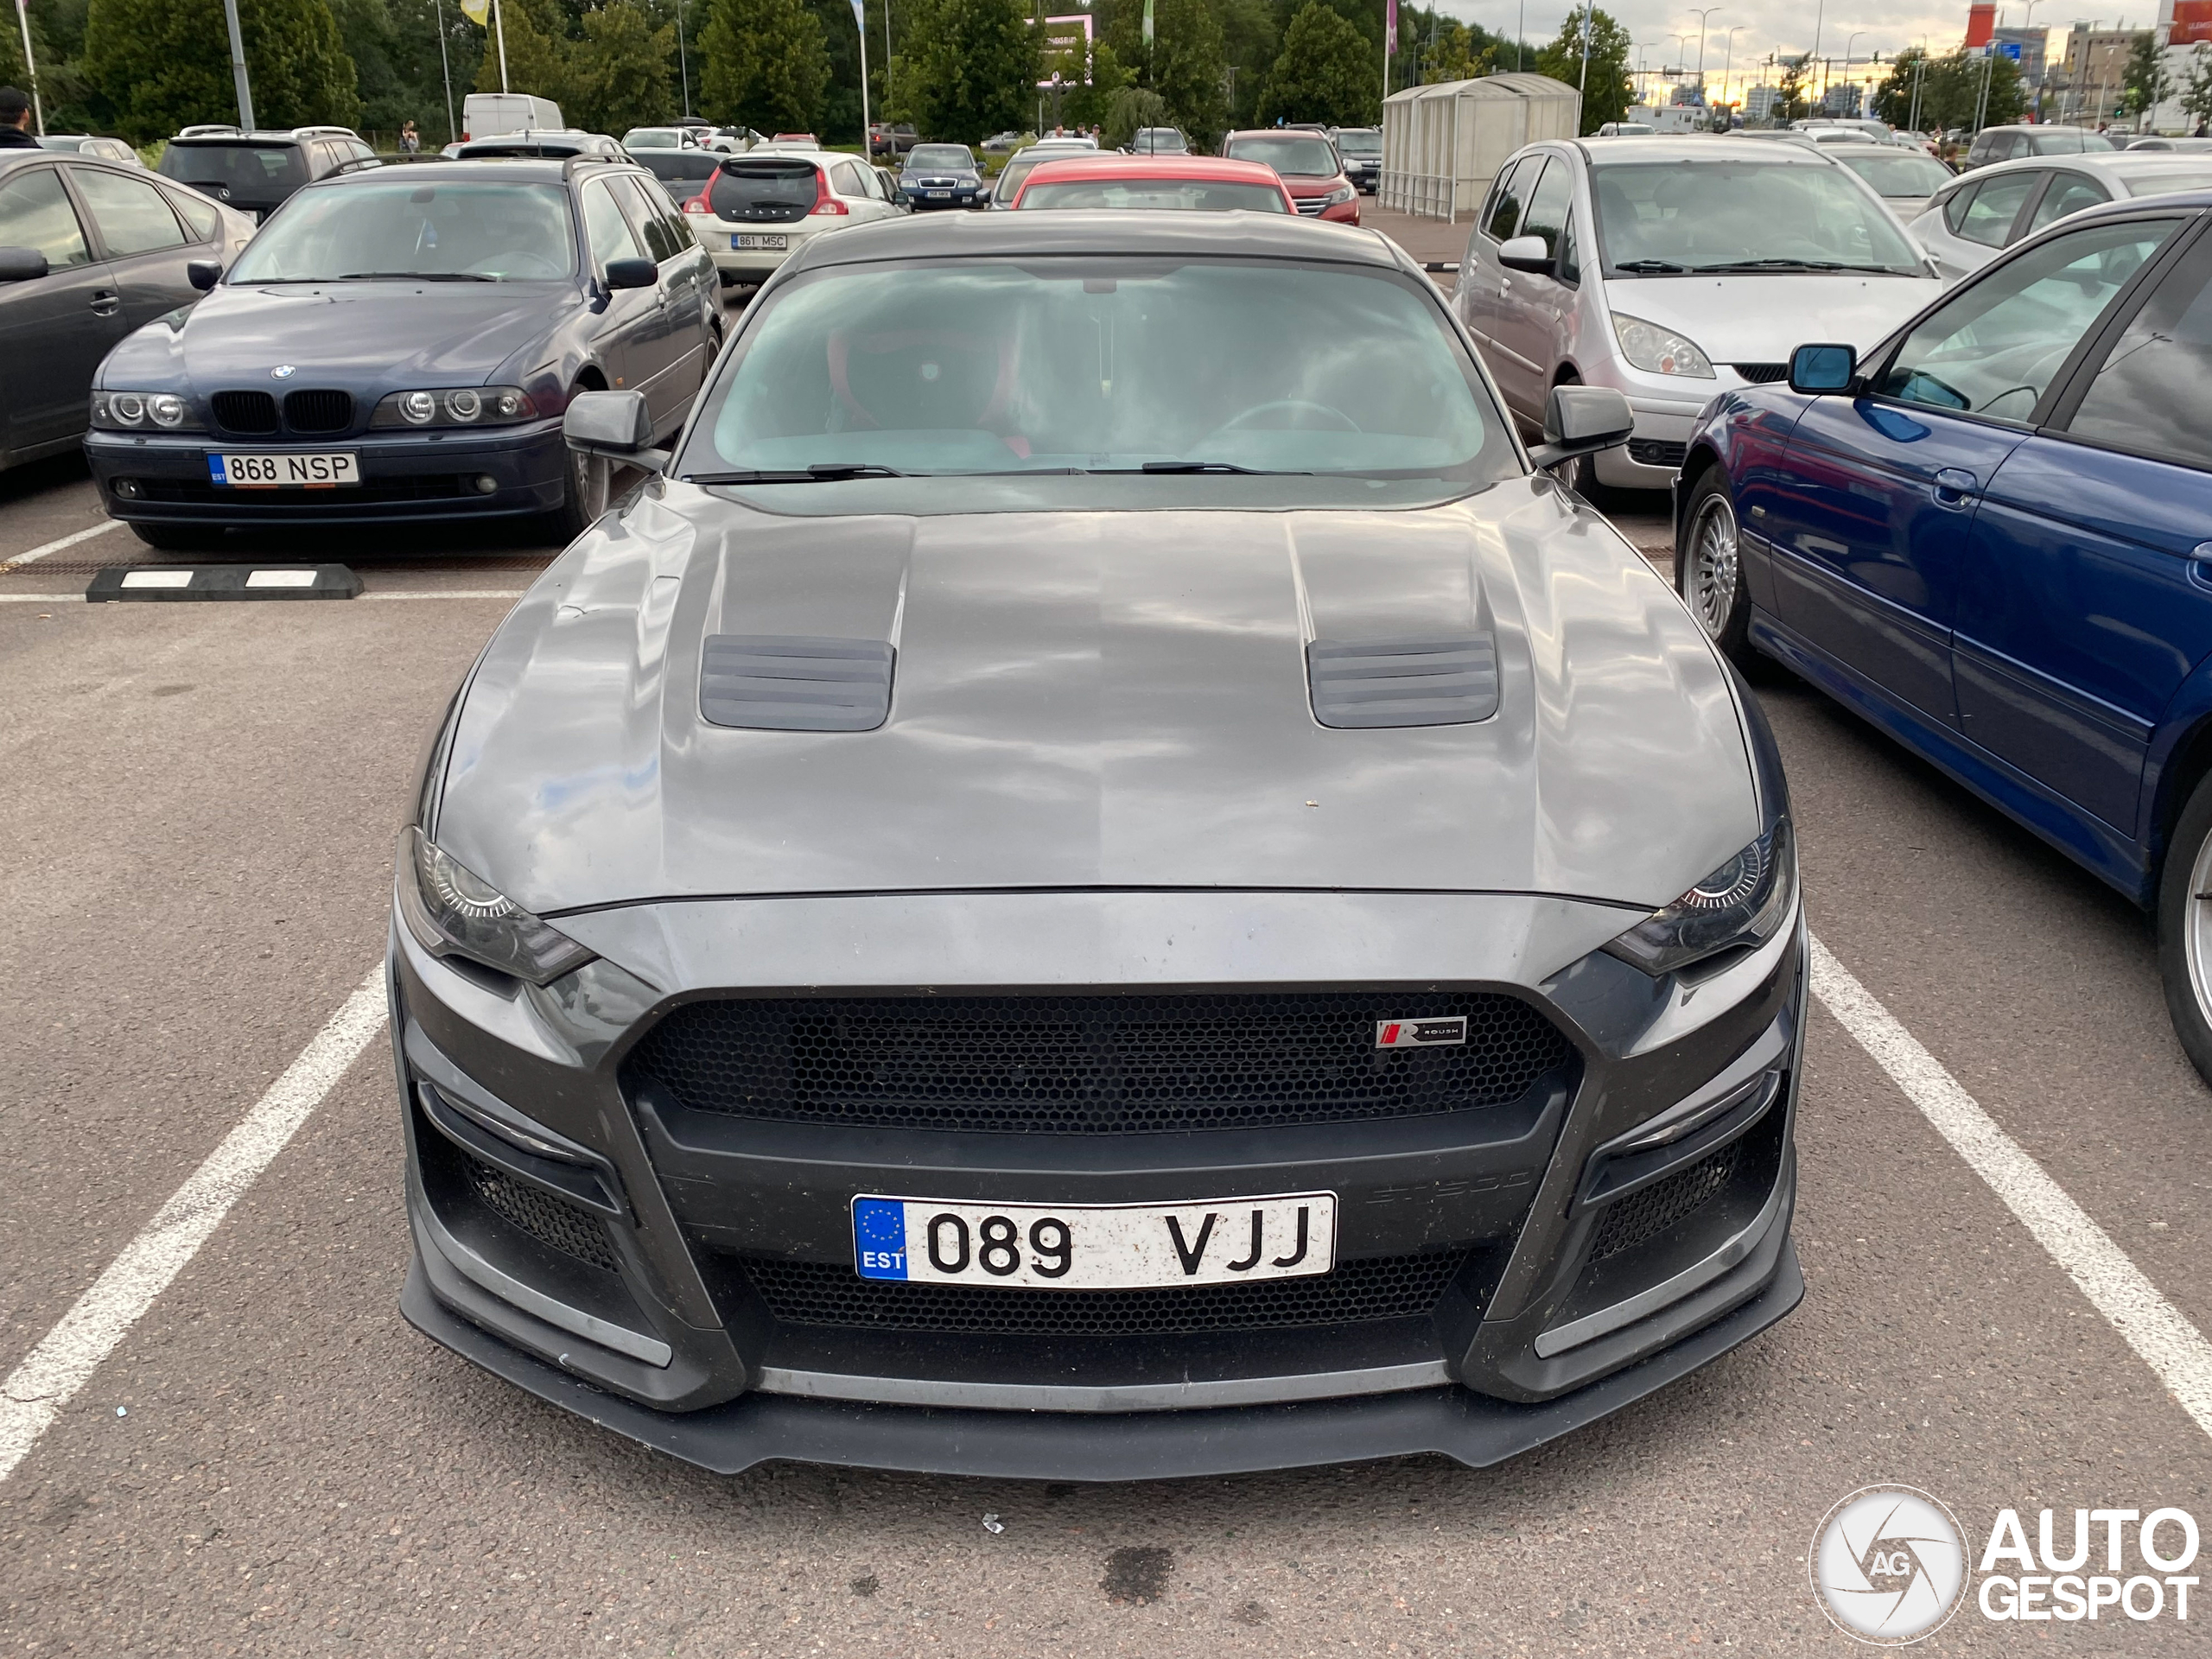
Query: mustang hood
[
  {"x": 1751, "y": 319},
  {"x": 1091, "y": 699},
  {"x": 344, "y": 334}
]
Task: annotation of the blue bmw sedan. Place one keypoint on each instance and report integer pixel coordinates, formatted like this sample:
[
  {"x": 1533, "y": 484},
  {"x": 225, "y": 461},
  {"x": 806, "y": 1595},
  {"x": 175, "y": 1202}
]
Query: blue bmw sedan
[
  {"x": 399, "y": 346},
  {"x": 1992, "y": 538}
]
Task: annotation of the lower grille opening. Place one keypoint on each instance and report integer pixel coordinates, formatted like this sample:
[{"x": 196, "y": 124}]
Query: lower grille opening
[
  {"x": 1380, "y": 1287},
  {"x": 553, "y": 1222},
  {"x": 1645, "y": 1215},
  {"x": 1657, "y": 451}
]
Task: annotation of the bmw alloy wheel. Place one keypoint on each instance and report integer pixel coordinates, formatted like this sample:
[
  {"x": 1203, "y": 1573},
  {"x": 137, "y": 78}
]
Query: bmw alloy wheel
[
  {"x": 2197, "y": 937},
  {"x": 1710, "y": 588}
]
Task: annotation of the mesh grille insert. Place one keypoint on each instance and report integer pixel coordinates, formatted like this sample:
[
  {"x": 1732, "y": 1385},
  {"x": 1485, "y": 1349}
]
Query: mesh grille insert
[
  {"x": 553, "y": 1222},
  {"x": 245, "y": 411},
  {"x": 1657, "y": 451},
  {"x": 316, "y": 411},
  {"x": 1647, "y": 1214},
  {"x": 1094, "y": 1064},
  {"x": 1382, "y": 1287}
]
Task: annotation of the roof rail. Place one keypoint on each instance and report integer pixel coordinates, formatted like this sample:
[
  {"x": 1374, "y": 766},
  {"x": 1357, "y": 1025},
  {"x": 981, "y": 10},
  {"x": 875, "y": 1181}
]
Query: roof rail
[
  {"x": 324, "y": 132},
  {"x": 569, "y": 164}
]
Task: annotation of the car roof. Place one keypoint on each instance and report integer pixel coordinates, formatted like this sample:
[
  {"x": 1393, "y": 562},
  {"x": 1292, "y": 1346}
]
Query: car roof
[
  {"x": 520, "y": 169},
  {"x": 1218, "y": 169},
  {"x": 1275, "y": 132},
  {"x": 1702, "y": 147},
  {"x": 2127, "y": 165},
  {"x": 950, "y": 235},
  {"x": 2178, "y": 200}
]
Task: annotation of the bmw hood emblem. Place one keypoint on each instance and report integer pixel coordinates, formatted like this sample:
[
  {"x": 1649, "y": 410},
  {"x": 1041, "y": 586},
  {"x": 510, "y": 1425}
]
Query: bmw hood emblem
[{"x": 283, "y": 371}]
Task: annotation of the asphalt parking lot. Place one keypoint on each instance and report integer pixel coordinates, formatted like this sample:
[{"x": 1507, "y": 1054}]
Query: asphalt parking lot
[{"x": 199, "y": 829}]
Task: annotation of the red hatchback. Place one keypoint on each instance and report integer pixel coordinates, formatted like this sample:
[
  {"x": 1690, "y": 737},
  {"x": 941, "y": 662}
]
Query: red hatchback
[
  {"x": 1155, "y": 181},
  {"x": 1310, "y": 169}
]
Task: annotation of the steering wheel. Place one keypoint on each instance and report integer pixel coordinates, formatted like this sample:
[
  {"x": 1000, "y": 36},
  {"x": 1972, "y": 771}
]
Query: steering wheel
[{"x": 1338, "y": 420}]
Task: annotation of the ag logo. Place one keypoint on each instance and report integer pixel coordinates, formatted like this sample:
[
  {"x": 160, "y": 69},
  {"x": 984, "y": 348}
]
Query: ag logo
[{"x": 1889, "y": 1564}]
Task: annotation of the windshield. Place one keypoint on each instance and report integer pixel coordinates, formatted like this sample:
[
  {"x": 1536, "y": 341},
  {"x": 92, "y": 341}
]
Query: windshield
[
  {"x": 1664, "y": 218},
  {"x": 250, "y": 170},
  {"x": 1202, "y": 195},
  {"x": 1899, "y": 175},
  {"x": 1098, "y": 365},
  {"x": 940, "y": 158},
  {"x": 483, "y": 229},
  {"x": 1359, "y": 141},
  {"x": 1312, "y": 156}
]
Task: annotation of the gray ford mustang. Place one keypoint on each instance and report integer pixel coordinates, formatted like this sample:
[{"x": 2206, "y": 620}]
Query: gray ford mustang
[{"x": 1099, "y": 877}]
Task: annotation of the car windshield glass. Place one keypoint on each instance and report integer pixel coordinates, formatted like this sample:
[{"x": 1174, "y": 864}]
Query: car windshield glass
[
  {"x": 651, "y": 138},
  {"x": 1104, "y": 365},
  {"x": 1310, "y": 156},
  {"x": 250, "y": 170},
  {"x": 932, "y": 157},
  {"x": 1699, "y": 216},
  {"x": 1203, "y": 195},
  {"x": 1358, "y": 141},
  {"x": 1899, "y": 174},
  {"x": 495, "y": 230}
]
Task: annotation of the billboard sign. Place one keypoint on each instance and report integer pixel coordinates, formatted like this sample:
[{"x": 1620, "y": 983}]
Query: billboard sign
[
  {"x": 1066, "y": 54},
  {"x": 2192, "y": 22}
]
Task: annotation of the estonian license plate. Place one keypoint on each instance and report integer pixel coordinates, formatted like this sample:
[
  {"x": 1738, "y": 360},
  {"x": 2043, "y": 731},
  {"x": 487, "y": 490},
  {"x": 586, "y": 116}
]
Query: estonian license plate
[
  {"x": 282, "y": 472},
  {"x": 938, "y": 195},
  {"x": 1095, "y": 1247},
  {"x": 759, "y": 243}
]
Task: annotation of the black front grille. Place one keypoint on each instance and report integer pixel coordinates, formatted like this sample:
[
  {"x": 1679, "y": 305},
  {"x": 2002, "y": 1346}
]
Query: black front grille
[
  {"x": 1762, "y": 374},
  {"x": 1382, "y": 1287},
  {"x": 554, "y": 1222},
  {"x": 1312, "y": 205},
  {"x": 399, "y": 487},
  {"x": 250, "y": 412},
  {"x": 1094, "y": 1064},
  {"x": 316, "y": 411},
  {"x": 1657, "y": 451},
  {"x": 1645, "y": 1215}
]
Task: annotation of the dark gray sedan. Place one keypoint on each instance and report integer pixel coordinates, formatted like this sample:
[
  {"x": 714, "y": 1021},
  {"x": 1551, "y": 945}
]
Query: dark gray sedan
[{"x": 1101, "y": 878}]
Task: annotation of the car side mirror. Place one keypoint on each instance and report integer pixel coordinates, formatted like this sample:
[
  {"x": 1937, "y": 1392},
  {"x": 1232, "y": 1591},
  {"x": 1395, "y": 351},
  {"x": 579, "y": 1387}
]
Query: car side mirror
[
  {"x": 1580, "y": 420},
  {"x": 984, "y": 192},
  {"x": 632, "y": 273},
  {"x": 614, "y": 424},
  {"x": 1817, "y": 369},
  {"x": 22, "y": 264},
  {"x": 1525, "y": 253},
  {"x": 204, "y": 273}
]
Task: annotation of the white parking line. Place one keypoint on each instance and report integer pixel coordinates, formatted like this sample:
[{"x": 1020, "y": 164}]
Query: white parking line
[
  {"x": 2158, "y": 1331},
  {"x": 38, "y": 553},
  {"x": 427, "y": 592},
  {"x": 66, "y": 1356}
]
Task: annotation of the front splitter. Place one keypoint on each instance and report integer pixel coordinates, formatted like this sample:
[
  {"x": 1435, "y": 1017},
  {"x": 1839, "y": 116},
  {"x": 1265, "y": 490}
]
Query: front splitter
[{"x": 755, "y": 1428}]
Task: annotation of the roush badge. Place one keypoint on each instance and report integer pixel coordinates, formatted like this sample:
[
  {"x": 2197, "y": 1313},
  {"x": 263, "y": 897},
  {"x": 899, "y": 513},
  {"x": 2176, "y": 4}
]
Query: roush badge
[{"x": 1421, "y": 1034}]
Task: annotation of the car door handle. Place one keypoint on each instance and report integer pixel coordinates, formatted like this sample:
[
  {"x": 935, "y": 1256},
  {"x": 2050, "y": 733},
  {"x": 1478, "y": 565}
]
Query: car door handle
[
  {"x": 104, "y": 304},
  {"x": 1955, "y": 487}
]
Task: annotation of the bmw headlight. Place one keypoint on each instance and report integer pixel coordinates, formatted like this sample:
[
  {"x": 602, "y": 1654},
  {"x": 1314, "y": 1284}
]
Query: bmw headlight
[
  {"x": 1740, "y": 905},
  {"x": 143, "y": 412},
  {"x": 454, "y": 912},
  {"x": 455, "y": 406},
  {"x": 1659, "y": 350}
]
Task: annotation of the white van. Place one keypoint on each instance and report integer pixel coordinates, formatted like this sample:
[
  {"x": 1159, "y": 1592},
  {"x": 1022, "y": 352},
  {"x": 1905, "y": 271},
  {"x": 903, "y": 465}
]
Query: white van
[{"x": 494, "y": 115}]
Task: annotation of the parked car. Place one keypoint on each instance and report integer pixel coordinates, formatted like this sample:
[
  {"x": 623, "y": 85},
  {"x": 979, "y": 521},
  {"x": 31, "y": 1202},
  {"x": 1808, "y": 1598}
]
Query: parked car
[
  {"x": 490, "y": 115},
  {"x": 1985, "y": 536},
  {"x": 888, "y": 178},
  {"x": 1200, "y": 183},
  {"x": 805, "y": 140},
  {"x": 1003, "y": 143},
  {"x": 1673, "y": 267},
  {"x": 89, "y": 250},
  {"x": 891, "y": 908},
  {"x": 1905, "y": 179},
  {"x": 256, "y": 172},
  {"x": 1309, "y": 165},
  {"x": 2157, "y": 142},
  {"x": 891, "y": 138},
  {"x": 1159, "y": 141},
  {"x": 762, "y": 207},
  {"x": 83, "y": 143},
  {"x": 943, "y": 176},
  {"x": 1360, "y": 150},
  {"x": 398, "y": 345},
  {"x": 639, "y": 139},
  {"x": 1624, "y": 130},
  {"x": 1980, "y": 214},
  {"x": 683, "y": 173},
  {"x": 558, "y": 144},
  {"x": 1021, "y": 163},
  {"x": 1993, "y": 144}
]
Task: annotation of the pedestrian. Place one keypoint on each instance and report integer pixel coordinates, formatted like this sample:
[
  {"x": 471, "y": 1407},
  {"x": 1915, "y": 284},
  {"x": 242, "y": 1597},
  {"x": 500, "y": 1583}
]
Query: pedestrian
[
  {"x": 410, "y": 142},
  {"x": 2200, "y": 131},
  {"x": 16, "y": 120}
]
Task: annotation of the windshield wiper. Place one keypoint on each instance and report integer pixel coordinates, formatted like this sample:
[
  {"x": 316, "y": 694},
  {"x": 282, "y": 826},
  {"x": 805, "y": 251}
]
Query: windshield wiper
[
  {"x": 1775, "y": 265},
  {"x": 417, "y": 276},
  {"x": 822, "y": 472},
  {"x": 1649, "y": 267},
  {"x": 1206, "y": 467}
]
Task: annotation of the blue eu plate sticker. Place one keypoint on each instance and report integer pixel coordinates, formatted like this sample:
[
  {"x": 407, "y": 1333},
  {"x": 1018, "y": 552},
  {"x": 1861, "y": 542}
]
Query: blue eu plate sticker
[
  {"x": 215, "y": 470},
  {"x": 880, "y": 1237}
]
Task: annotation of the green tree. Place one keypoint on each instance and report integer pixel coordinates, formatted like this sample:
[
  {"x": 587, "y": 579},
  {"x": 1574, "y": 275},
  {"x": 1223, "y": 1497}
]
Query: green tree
[
  {"x": 1610, "y": 88},
  {"x": 1323, "y": 73},
  {"x": 1184, "y": 64},
  {"x": 2196, "y": 91},
  {"x": 1791, "y": 102},
  {"x": 2148, "y": 82},
  {"x": 620, "y": 72},
  {"x": 537, "y": 60},
  {"x": 1251, "y": 39},
  {"x": 969, "y": 68},
  {"x": 1091, "y": 106},
  {"x": 157, "y": 65},
  {"x": 763, "y": 64},
  {"x": 1950, "y": 91}
]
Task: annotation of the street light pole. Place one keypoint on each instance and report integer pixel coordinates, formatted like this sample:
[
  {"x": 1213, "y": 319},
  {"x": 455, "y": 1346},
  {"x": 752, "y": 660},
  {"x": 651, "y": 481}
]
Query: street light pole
[
  {"x": 1702, "y": 15},
  {"x": 1850, "y": 40},
  {"x": 1728, "y": 67},
  {"x": 238, "y": 66},
  {"x": 684, "y": 60},
  {"x": 445, "y": 65}
]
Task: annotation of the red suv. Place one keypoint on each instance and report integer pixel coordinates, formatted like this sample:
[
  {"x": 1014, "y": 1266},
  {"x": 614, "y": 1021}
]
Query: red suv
[{"x": 1310, "y": 169}]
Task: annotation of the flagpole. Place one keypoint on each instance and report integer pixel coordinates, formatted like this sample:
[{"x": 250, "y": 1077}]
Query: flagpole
[
  {"x": 860, "y": 23},
  {"x": 24, "y": 16},
  {"x": 500, "y": 26},
  {"x": 453, "y": 131}
]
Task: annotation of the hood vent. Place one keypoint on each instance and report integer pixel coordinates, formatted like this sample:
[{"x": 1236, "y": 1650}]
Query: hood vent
[
  {"x": 1431, "y": 682},
  {"x": 773, "y": 683}
]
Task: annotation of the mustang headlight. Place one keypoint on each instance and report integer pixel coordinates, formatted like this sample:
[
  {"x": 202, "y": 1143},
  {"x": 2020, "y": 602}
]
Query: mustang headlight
[
  {"x": 455, "y": 406},
  {"x": 1741, "y": 904},
  {"x": 454, "y": 912},
  {"x": 1660, "y": 351},
  {"x": 143, "y": 412}
]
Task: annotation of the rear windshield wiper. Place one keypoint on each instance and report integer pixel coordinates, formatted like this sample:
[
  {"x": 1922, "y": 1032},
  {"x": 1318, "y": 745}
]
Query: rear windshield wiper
[
  {"x": 1649, "y": 267},
  {"x": 417, "y": 276},
  {"x": 822, "y": 472}
]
